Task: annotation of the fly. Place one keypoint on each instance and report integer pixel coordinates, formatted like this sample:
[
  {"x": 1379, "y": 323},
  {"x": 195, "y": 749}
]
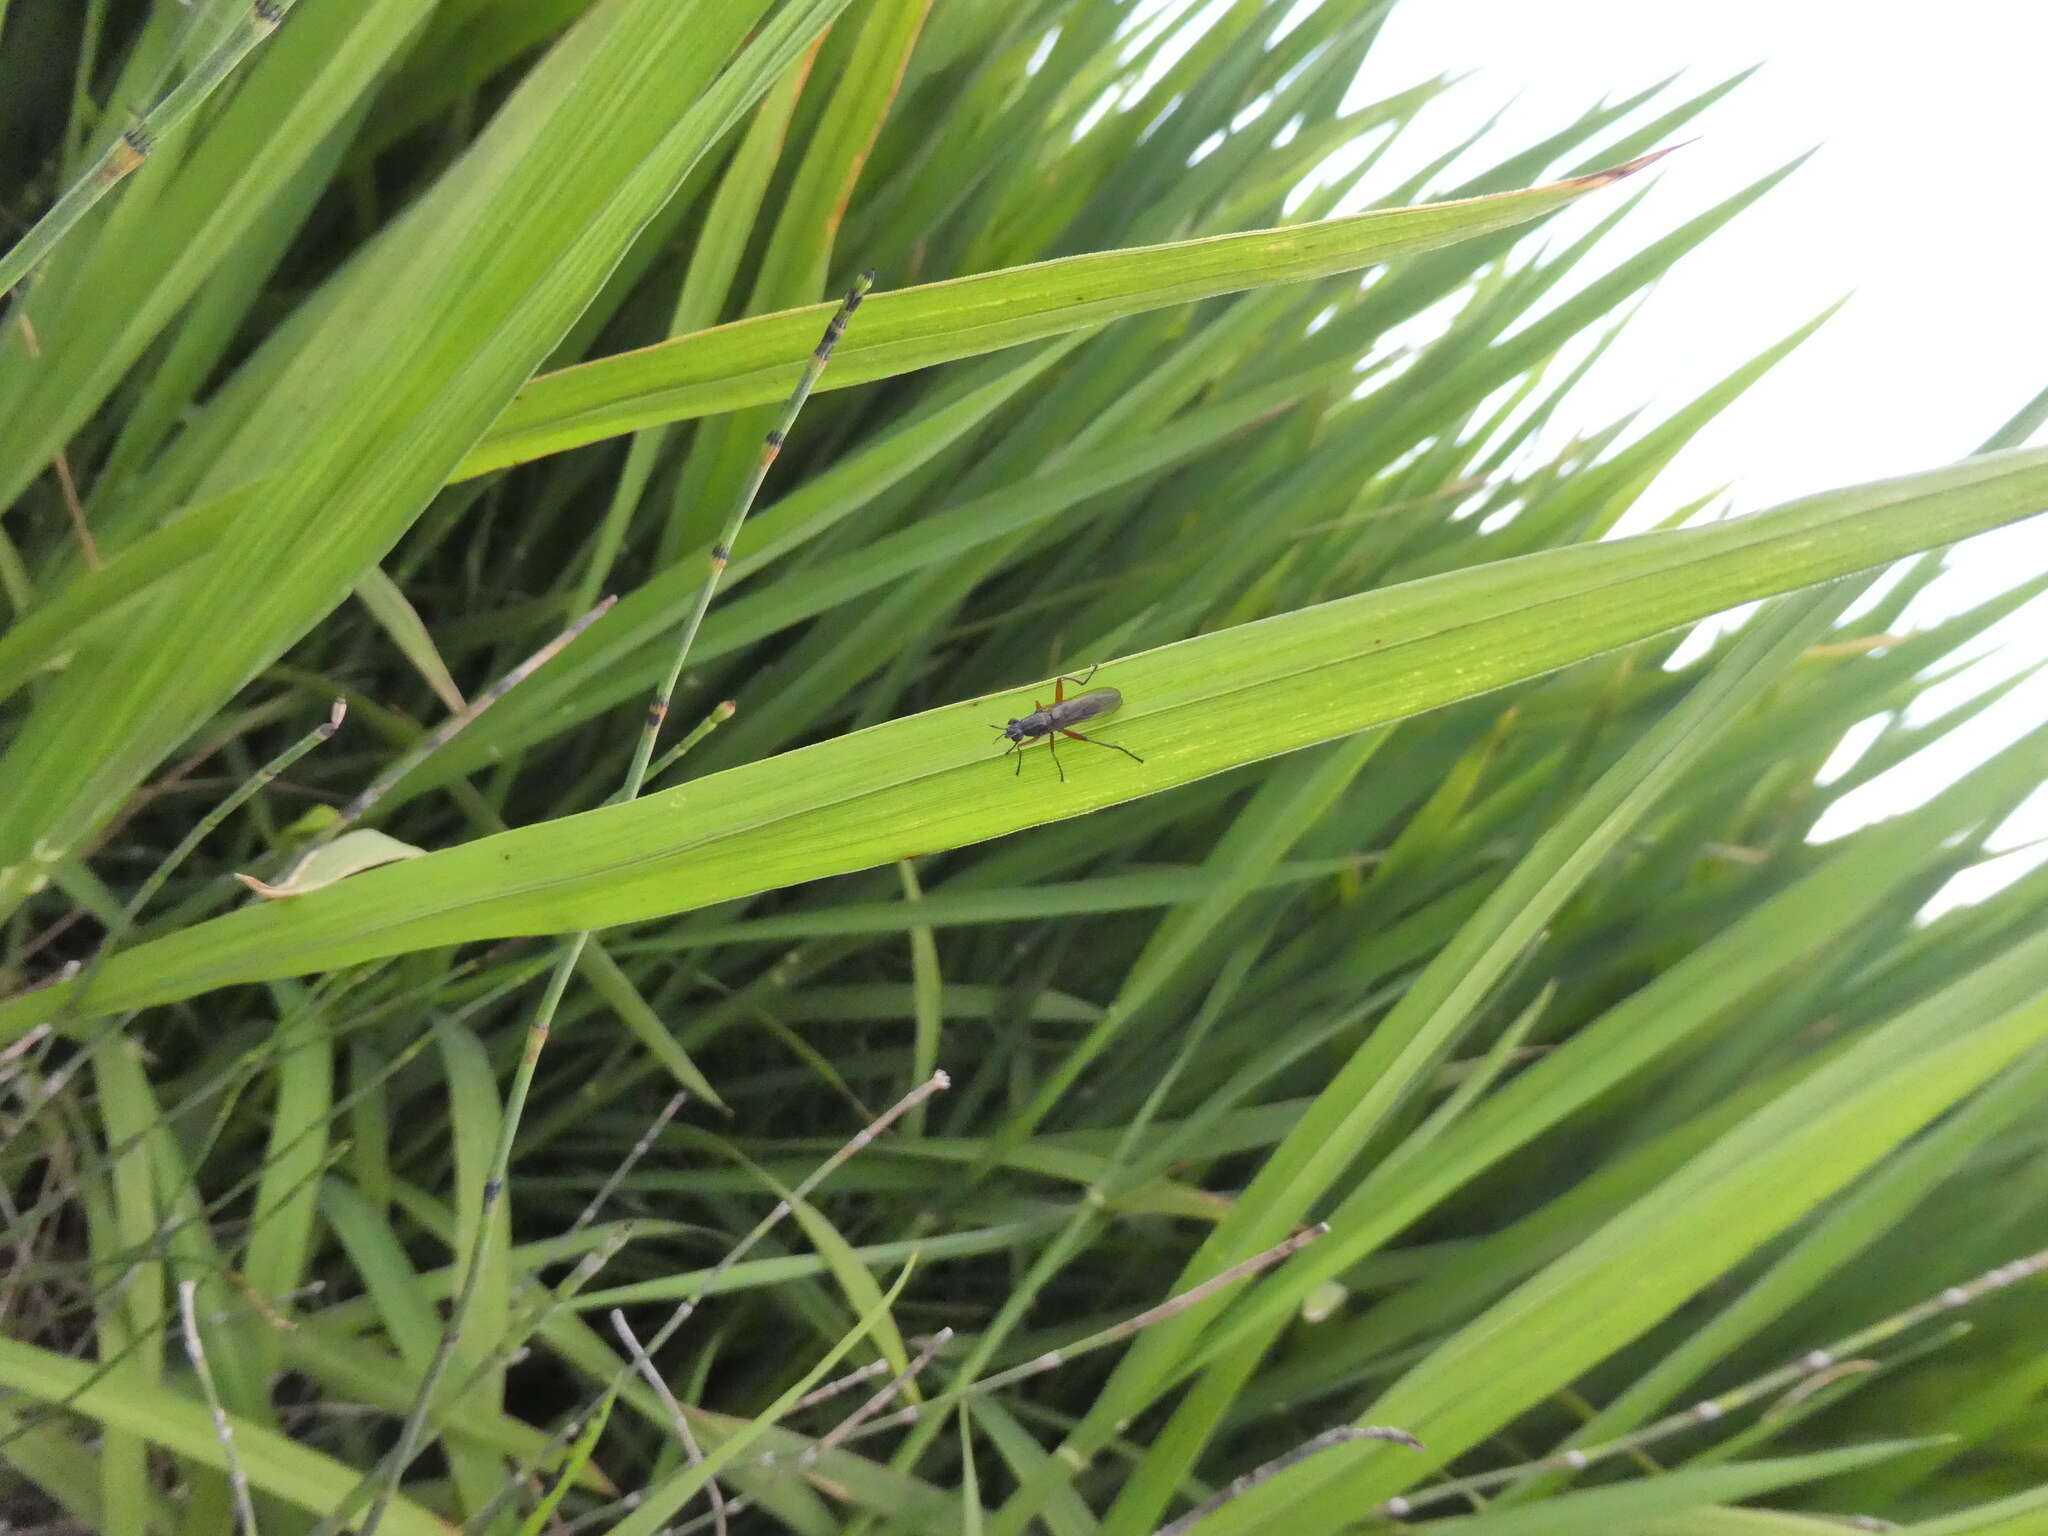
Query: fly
[{"x": 1055, "y": 722}]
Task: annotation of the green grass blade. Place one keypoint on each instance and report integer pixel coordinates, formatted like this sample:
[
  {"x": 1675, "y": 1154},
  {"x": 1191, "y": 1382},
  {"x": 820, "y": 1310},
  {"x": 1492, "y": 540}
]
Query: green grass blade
[
  {"x": 753, "y": 362},
  {"x": 895, "y": 790},
  {"x": 392, "y": 433}
]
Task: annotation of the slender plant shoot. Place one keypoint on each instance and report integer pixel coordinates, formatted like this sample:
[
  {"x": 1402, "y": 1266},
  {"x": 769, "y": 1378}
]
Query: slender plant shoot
[{"x": 385, "y": 1478}]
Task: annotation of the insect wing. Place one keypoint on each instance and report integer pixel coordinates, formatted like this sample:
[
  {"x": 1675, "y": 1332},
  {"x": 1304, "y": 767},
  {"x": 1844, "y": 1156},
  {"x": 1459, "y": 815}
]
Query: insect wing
[{"x": 1085, "y": 706}]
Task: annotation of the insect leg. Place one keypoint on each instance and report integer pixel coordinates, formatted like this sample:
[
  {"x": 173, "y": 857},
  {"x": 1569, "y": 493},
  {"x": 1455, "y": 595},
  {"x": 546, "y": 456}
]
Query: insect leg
[
  {"x": 1059, "y": 683},
  {"x": 1098, "y": 742},
  {"x": 1052, "y": 746}
]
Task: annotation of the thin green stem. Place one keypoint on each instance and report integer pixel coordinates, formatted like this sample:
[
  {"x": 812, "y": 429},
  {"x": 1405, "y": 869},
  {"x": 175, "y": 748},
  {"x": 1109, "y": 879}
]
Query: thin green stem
[
  {"x": 938, "y": 1082},
  {"x": 145, "y": 893},
  {"x": 721, "y": 552},
  {"x": 1237, "y": 1488},
  {"x": 440, "y": 736},
  {"x": 711, "y": 722},
  {"x": 201, "y": 829},
  {"x": 1709, "y": 1410},
  {"x": 74, "y": 1008},
  {"x": 223, "y": 1430},
  {"x": 125, "y": 155},
  {"x": 927, "y": 993},
  {"x": 385, "y": 1479}
]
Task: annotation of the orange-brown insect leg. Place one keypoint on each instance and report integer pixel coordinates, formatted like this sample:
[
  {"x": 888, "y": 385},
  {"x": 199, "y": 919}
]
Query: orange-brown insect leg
[
  {"x": 1094, "y": 742},
  {"x": 1059, "y": 684}
]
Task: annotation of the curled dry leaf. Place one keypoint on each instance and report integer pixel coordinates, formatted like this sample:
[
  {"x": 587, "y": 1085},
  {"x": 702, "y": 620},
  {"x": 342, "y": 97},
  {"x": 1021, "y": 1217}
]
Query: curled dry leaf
[{"x": 349, "y": 854}]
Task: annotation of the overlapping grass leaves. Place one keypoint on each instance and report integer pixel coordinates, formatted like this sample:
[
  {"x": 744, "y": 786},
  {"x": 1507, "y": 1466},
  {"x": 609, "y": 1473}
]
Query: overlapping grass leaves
[{"x": 1193, "y": 709}]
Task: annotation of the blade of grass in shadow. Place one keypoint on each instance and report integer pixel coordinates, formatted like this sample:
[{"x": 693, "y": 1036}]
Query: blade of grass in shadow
[{"x": 293, "y": 1473}]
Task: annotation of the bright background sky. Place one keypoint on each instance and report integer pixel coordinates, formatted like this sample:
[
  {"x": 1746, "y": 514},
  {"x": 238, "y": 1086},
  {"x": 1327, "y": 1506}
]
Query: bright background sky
[{"x": 1923, "y": 204}]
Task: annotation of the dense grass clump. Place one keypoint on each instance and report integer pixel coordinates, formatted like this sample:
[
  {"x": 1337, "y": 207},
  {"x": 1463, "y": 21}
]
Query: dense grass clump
[{"x": 518, "y": 1167}]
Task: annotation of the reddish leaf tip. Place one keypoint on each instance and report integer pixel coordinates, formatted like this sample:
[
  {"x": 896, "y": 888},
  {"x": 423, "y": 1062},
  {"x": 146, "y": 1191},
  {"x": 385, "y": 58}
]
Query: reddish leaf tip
[{"x": 1615, "y": 173}]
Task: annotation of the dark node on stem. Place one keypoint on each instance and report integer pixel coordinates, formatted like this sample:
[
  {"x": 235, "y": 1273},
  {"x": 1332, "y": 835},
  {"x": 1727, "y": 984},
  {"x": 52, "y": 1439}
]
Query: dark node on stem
[
  {"x": 656, "y": 713},
  {"x": 125, "y": 154}
]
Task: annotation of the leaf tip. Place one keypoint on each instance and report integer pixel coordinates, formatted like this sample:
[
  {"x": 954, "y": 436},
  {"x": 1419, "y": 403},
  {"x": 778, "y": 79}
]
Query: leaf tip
[{"x": 1628, "y": 168}]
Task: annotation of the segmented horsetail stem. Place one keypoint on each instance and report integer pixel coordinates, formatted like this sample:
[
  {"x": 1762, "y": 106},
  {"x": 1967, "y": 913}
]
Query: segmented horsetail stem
[
  {"x": 387, "y": 1476},
  {"x": 1814, "y": 1362},
  {"x": 1237, "y": 1488},
  {"x": 195, "y": 1347},
  {"x": 677, "y": 1420},
  {"x": 877, "y": 1401},
  {"x": 719, "y": 715},
  {"x": 841, "y": 1384},
  {"x": 813, "y": 1453},
  {"x": 721, "y": 548},
  {"x": 641, "y": 1148},
  {"x": 440, "y": 736},
  {"x": 1116, "y": 1333},
  {"x": 126, "y": 154},
  {"x": 938, "y": 1082}
]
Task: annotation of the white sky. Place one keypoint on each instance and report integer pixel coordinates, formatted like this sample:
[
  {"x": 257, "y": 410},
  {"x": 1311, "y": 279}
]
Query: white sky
[{"x": 1925, "y": 201}]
